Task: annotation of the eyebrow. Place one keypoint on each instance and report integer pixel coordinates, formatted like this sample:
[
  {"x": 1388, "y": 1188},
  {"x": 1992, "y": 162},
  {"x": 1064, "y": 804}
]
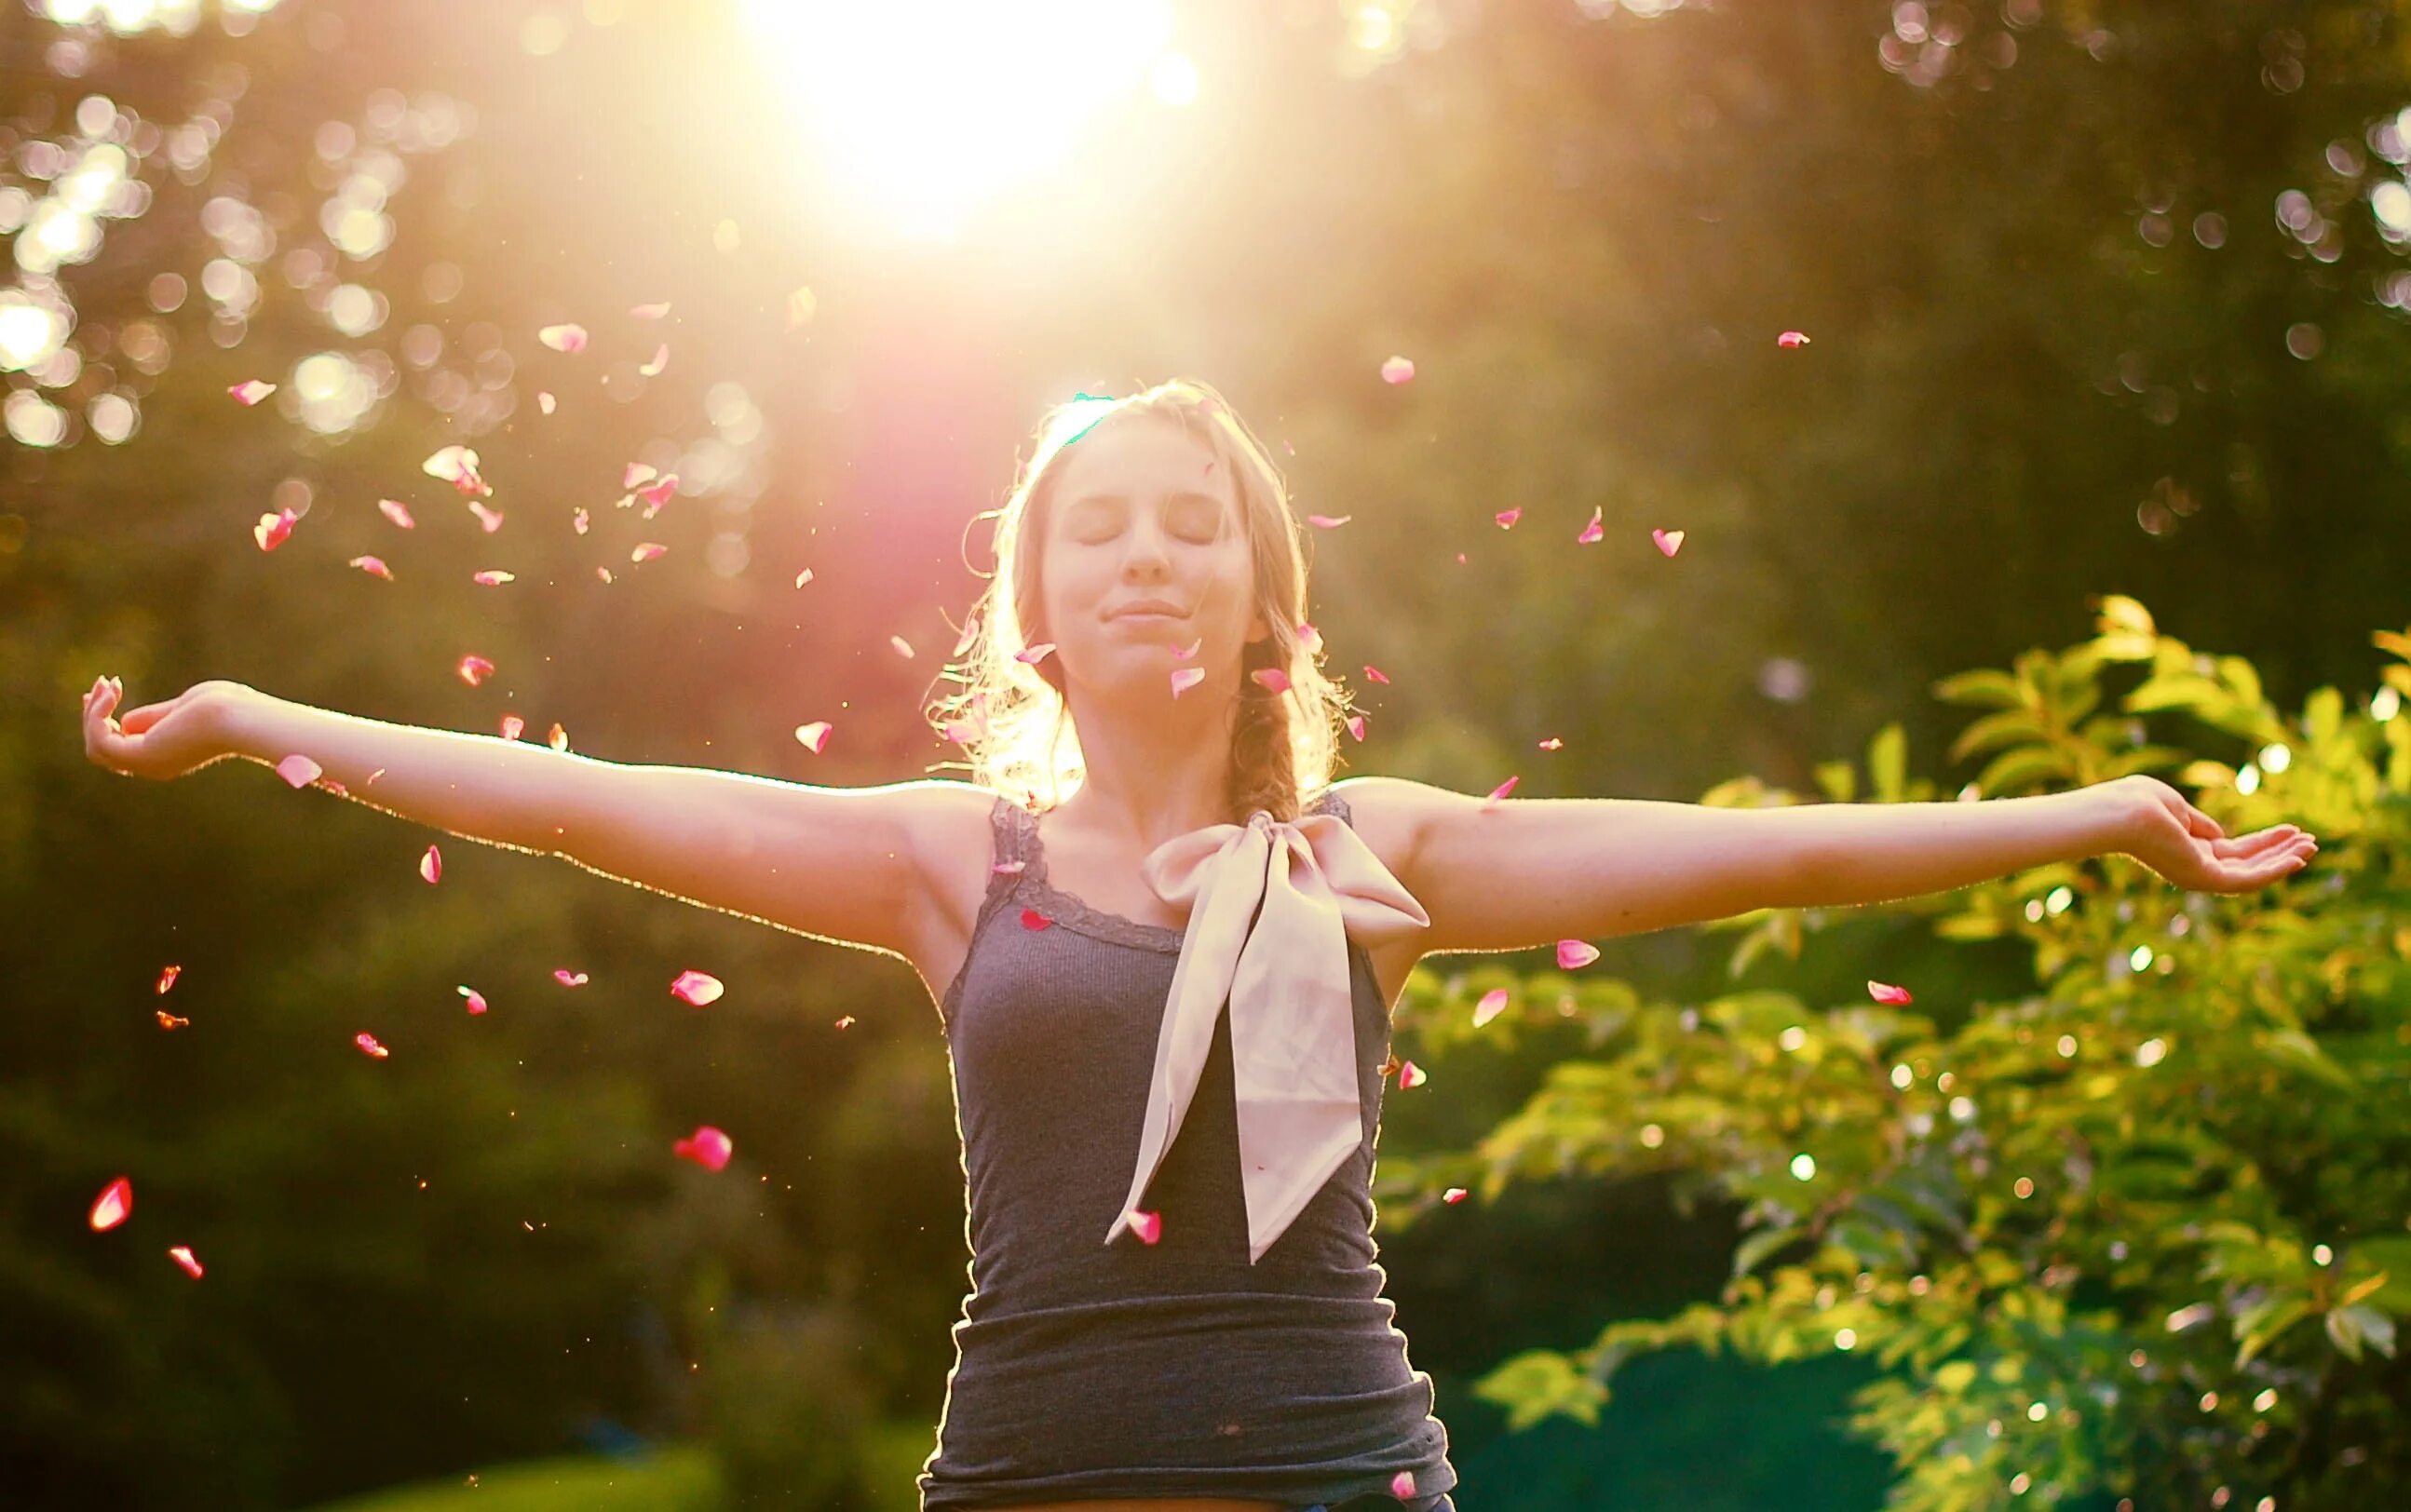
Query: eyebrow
[{"x": 1123, "y": 499}]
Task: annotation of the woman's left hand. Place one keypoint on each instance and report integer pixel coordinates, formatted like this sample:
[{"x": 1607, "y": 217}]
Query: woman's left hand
[{"x": 2164, "y": 832}]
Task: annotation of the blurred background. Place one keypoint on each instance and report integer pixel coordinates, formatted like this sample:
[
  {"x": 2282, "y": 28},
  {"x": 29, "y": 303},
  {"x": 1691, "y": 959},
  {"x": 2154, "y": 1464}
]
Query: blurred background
[{"x": 2100, "y": 297}]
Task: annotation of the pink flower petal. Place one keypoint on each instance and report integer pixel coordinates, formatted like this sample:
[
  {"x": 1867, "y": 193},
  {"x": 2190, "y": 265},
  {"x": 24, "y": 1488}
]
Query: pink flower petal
[
  {"x": 1574, "y": 954},
  {"x": 1148, "y": 1226},
  {"x": 1792, "y": 338},
  {"x": 431, "y": 865},
  {"x": 1397, "y": 370},
  {"x": 602, "y": 573},
  {"x": 1886, "y": 993},
  {"x": 1593, "y": 530},
  {"x": 457, "y": 465},
  {"x": 569, "y": 978},
  {"x": 476, "y": 1000},
  {"x": 168, "y": 979},
  {"x": 272, "y": 528},
  {"x": 1501, "y": 791},
  {"x": 649, "y": 312},
  {"x": 299, "y": 770},
  {"x": 1402, "y": 1485},
  {"x": 1184, "y": 653},
  {"x": 660, "y": 360},
  {"x": 1184, "y": 679},
  {"x": 903, "y": 647},
  {"x": 374, "y": 566},
  {"x": 846, "y": 1022},
  {"x": 490, "y": 518},
  {"x": 563, "y": 338},
  {"x": 707, "y": 1147},
  {"x": 648, "y": 552},
  {"x": 1311, "y": 638},
  {"x": 1494, "y": 1003},
  {"x": 1668, "y": 542},
  {"x": 578, "y": 520},
  {"x": 1507, "y": 517},
  {"x": 1009, "y": 868},
  {"x": 557, "y": 737},
  {"x": 814, "y": 735},
  {"x": 636, "y": 473},
  {"x": 696, "y": 988},
  {"x": 369, "y": 1046},
  {"x": 251, "y": 391},
  {"x": 1328, "y": 522},
  {"x": 970, "y": 634},
  {"x": 1552, "y": 743},
  {"x": 182, "y": 1255},
  {"x": 1454, "y": 1194},
  {"x": 397, "y": 512},
  {"x": 657, "y": 494},
  {"x": 1375, "y": 672},
  {"x": 1031, "y": 655},
  {"x": 491, "y": 578},
  {"x": 513, "y": 727},
  {"x": 169, "y": 1020},
  {"x": 543, "y": 400},
  {"x": 474, "y": 670},
  {"x": 1032, "y": 919},
  {"x": 1356, "y": 725},
  {"x": 1272, "y": 678},
  {"x": 965, "y": 731},
  {"x": 803, "y": 578},
  {"x": 111, "y": 1207},
  {"x": 1410, "y": 1075}
]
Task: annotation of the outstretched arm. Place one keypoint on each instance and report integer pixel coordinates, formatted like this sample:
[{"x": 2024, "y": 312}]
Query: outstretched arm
[{"x": 1513, "y": 875}]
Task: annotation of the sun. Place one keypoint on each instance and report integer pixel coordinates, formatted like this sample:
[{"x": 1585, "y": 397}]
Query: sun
[{"x": 920, "y": 111}]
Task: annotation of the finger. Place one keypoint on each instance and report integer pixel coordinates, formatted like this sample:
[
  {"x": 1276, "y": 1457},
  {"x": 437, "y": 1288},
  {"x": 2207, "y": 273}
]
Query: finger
[
  {"x": 2200, "y": 823},
  {"x": 2254, "y": 844}
]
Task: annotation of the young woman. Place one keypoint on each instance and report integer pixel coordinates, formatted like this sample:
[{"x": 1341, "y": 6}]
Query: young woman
[{"x": 1164, "y": 948}]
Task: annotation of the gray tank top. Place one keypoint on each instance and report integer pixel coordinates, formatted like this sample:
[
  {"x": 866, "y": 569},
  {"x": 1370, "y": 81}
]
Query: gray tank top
[{"x": 1088, "y": 1369}]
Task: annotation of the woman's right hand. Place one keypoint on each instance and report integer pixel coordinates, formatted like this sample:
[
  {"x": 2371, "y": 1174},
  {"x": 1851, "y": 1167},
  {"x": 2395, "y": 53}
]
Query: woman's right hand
[{"x": 160, "y": 741}]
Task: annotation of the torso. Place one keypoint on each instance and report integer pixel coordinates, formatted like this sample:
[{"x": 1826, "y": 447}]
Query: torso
[{"x": 1110, "y": 881}]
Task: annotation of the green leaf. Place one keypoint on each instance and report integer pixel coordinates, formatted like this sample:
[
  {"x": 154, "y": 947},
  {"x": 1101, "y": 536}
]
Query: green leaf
[
  {"x": 2263, "y": 1323},
  {"x": 2013, "y": 771},
  {"x": 1983, "y": 688},
  {"x": 2123, "y": 616},
  {"x": 1758, "y": 1247},
  {"x": 1887, "y": 763},
  {"x": 2006, "y": 728},
  {"x": 1540, "y": 1382},
  {"x": 1839, "y": 780}
]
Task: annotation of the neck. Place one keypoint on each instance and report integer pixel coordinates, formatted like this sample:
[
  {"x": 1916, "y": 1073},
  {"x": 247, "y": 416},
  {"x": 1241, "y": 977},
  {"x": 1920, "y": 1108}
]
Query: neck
[{"x": 1159, "y": 774}]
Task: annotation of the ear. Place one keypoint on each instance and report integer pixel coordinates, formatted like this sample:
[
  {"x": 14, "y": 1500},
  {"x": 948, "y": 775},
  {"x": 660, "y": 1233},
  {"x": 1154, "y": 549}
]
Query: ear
[{"x": 1259, "y": 629}]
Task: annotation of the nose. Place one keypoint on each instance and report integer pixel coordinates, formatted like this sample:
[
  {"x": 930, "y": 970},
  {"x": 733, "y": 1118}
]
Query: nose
[{"x": 1145, "y": 559}]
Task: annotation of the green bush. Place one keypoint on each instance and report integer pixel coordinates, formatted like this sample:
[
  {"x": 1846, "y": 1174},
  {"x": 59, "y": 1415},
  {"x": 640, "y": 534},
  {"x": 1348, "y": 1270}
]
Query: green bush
[
  {"x": 788, "y": 1410},
  {"x": 2139, "y": 1232}
]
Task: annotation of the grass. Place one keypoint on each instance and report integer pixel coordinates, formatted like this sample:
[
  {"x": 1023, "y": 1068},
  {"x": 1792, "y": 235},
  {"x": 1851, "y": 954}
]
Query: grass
[{"x": 679, "y": 1478}]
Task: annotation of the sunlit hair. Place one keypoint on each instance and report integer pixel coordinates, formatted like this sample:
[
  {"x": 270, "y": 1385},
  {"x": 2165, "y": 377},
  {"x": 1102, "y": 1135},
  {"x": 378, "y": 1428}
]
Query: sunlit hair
[{"x": 1013, "y": 719}]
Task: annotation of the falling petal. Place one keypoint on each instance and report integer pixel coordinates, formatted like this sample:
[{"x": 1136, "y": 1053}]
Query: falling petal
[
  {"x": 251, "y": 391},
  {"x": 1031, "y": 655},
  {"x": 1356, "y": 725},
  {"x": 474, "y": 670},
  {"x": 903, "y": 647},
  {"x": 1032, "y": 919},
  {"x": 814, "y": 736},
  {"x": 490, "y": 518},
  {"x": 272, "y": 528},
  {"x": 1494, "y": 1003},
  {"x": 1593, "y": 530},
  {"x": 695, "y": 988},
  {"x": 543, "y": 400},
  {"x": 477, "y": 1003},
  {"x": 970, "y": 634},
  {"x": 602, "y": 573},
  {"x": 1886, "y": 993},
  {"x": 168, "y": 979},
  {"x": 965, "y": 731},
  {"x": 845, "y": 1021},
  {"x": 1184, "y": 679},
  {"x": 1009, "y": 868},
  {"x": 707, "y": 1147},
  {"x": 1397, "y": 370},
  {"x": 800, "y": 305},
  {"x": 557, "y": 737},
  {"x": 1311, "y": 638},
  {"x": 1668, "y": 542},
  {"x": 111, "y": 1207},
  {"x": 1328, "y": 522},
  {"x": 431, "y": 865},
  {"x": 373, "y": 566},
  {"x": 1410, "y": 1075},
  {"x": 1148, "y": 1226},
  {"x": 513, "y": 726},
  {"x": 1184, "y": 653},
  {"x": 369, "y": 1046},
  {"x": 578, "y": 520},
  {"x": 1402, "y": 1485},
  {"x": 1792, "y": 338},
  {"x": 660, "y": 360},
  {"x": 1273, "y": 678},
  {"x": 569, "y": 978},
  {"x": 1574, "y": 954},
  {"x": 1509, "y": 516},
  {"x": 491, "y": 578},
  {"x": 1501, "y": 791},
  {"x": 563, "y": 338},
  {"x": 803, "y": 578},
  {"x": 1552, "y": 743},
  {"x": 457, "y": 465},
  {"x": 169, "y": 1020},
  {"x": 636, "y": 473},
  {"x": 649, "y": 312},
  {"x": 648, "y": 552},
  {"x": 1375, "y": 674},
  {"x": 397, "y": 512},
  {"x": 1454, "y": 1194},
  {"x": 182, "y": 1255},
  {"x": 299, "y": 771}
]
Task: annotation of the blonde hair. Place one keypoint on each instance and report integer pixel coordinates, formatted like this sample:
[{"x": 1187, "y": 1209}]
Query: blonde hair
[{"x": 1013, "y": 718}]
